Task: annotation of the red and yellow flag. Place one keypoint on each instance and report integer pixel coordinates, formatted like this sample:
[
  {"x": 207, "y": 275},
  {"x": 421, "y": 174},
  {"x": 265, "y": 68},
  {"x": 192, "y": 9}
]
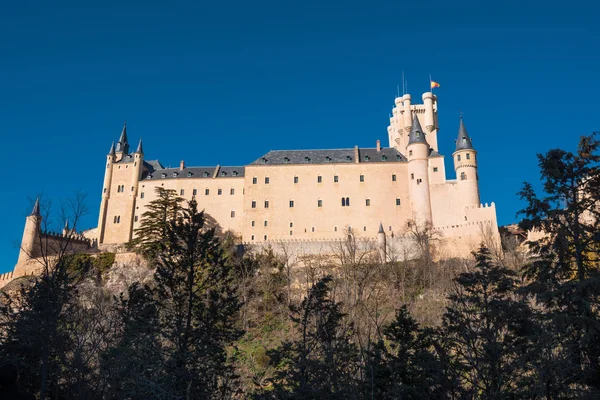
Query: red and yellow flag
[{"x": 434, "y": 85}]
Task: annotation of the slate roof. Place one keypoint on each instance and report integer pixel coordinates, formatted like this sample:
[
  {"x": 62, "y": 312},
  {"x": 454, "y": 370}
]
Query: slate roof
[
  {"x": 416, "y": 134},
  {"x": 334, "y": 156},
  {"x": 193, "y": 172},
  {"x": 463, "y": 142}
]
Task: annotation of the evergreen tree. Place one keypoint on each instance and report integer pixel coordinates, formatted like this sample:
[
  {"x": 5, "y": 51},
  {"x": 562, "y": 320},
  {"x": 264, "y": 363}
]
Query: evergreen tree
[
  {"x": 321, "y": 363},
  {"x": 564, "y": 273},
  {"x": 485, "y": 329}
]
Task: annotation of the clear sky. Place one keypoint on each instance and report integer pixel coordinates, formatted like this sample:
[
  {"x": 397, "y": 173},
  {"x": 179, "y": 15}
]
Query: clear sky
[{"x": 223, "y": 82}]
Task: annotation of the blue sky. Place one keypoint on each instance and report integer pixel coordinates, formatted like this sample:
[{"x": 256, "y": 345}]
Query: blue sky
[{"x": 225, "y": 82}]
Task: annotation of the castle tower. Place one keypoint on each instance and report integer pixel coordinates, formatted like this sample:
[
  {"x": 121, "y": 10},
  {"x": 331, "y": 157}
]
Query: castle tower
[
  {"x": 418, "y": 174},
  {"x": 465, "y": 165},
  {"x": 108, "y": 172},
  {"x": 122, "y": 145},
  {"x": 381, "y": 244},
  {"x": 30, "y": 239}
]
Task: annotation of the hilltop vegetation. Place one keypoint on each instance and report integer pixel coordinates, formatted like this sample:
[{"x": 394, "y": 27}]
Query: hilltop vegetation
[{"x": 211, "y": 321}]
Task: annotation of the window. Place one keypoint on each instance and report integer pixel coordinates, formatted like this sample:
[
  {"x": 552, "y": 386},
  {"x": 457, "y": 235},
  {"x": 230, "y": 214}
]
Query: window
[
  {"x": 435, "y": 169},
  {"x": 306, "y": 159},
  {"x": 265, "y": 237},
  {"x": 232, "y": 191},
  {"x": 223, "y": 173},
  {"x": 206, "y": 192},
  {"x": 189, "y": 174},
  {"x": 175, "y": 174},
  {"x": 419, "y": 181},
  {"x": 291, "y": 224},
  {"x": 142, "y": 195},
  {"x": 291, "y": 203},
  {"x": 367, "y": 158},
  {"x": 384, "y": 158},
  {"x": 266, "y": 203},
  {"x": 194, "y": 192},
  {"x": 398, "y": 157},
  {"x": 393, "y": 177},
  {"x": 254, "y": 181},
  {"x": 253, "y": 223},
  {"x": 348, "y": 158},
  {"x": 468, "y": 156},
  {"x": 410, "y": 152},
  {"x": 205, "y": 174},
  {"x": 266, "y": 180},
  {"x": 463, "y": 176},
  {"x": 368, "y": 202},
  {"x": 313, "y": 228},
  {"x": 104, "y": 190},
  {"x": 364, "y": 228},
  {"x": 291, "y": 232},
  {"x": 132, "y": 188},
  {"x": 286, "y": 160},
  {"x": 295, "y": 179},
  {"x": 252, "y": 237},
  {"x": 235, "y": 173},
  {"x": 412, "y": 176},
  {"x": 253, "y": 203},
  {"x": 232, "y": 213},
  {"x": 327, "y": 158},
  {"x": 135, "y": 218},
  {"x": 163, "y": 175},
  {"x": 219, "y": 191},
  {"x": 335, "y": 179},
  {"x": 181, "y": 192},
  {"x": 458, "y": 157},
  {"x": 263, "y": 160},
  {"x": 319, "y": 179},
  {"x": 319, "y": 203},
  {"x": 362, "y": 178},
  {"x": 345, "y": 201},
  {"x": 266, "y": 223},
  {"x": 397, "y": 201},
  {"x": 335, "y": 228}
]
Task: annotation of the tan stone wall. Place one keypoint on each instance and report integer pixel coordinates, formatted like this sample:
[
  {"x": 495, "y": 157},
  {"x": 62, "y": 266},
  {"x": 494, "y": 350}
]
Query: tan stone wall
[{"x": 306, "y": 215}]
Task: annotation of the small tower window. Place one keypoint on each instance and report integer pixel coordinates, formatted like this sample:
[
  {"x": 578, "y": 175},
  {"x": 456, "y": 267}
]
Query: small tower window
[
  {"x": 295, "y": 179},
  {"x": 435, "y": 169},
  {"x": 368, "y": 202},
  {"x": 232, "y": 213},
  {"x": 265, "y": 237},
  {"x": 266, "y": 180},
  {"x": 364, "y": 228},
  {"x": 291, "y": 224},
  {"x": 135, "y": 218},
  {"x": 254, "y": 180},
  {"x": 253, "y": 223},
  {"x": 219, "y": 191},
  {"x": 291, "y": 203},
  {"x": 253, "y": 203},
  {"x": 206, "y": 191},
  {"x": 458, "y": 157},
  {"x": 463, "y": 176},
  {"x": 266, "y": 223},
  {"x": 335, "y": 228},
  {"x": 319, "y": 179},
  {"x": 266, "y": 203},
  {"x": 291, "y": 233},
  {"x": 362, "y": 178},
  {"x": 393, "y": 177},
  {"x": 419, "y": 181},
  {"x": 252, "y": 237},
  {"x": 397, "y": 201},
  {"x": 181, "y": 192},
  {"x": 319, "y": 203},
  {"x": 410, "y": 152},
  {"x": 335, "y": 179},
  {"x": 231, "y": 191},
  {"x": 412, "y": 176},
  {"x": 194, "y": 192},
  {"x": 468, "y": 156}
]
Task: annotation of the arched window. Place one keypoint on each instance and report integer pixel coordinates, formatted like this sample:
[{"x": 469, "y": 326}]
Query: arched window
[
  {"x": 463, "y": 176},
  {"x": 347, "y": 201},
  {"x": 343, "y": 202}
]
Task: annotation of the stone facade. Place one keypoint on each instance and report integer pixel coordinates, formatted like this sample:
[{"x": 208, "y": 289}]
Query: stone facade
[{"x": 314, "y": 196}]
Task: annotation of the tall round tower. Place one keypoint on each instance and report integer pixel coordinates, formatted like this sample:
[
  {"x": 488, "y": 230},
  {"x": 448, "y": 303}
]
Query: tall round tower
[
  {"x": 30, "y": 244},
  {"x": 418, "y": 174},
  {"x": 108, "y": 173},
  {"x": 465, "y": 165}
]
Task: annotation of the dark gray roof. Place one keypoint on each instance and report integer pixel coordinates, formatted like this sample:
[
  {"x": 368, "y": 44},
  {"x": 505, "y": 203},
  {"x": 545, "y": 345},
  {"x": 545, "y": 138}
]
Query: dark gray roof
[
  {"x": 140, "y": 149},
  {"x": 123, "y": 144},
  {"x": 381, "y": 228},
  {"x": 112, "y": 149},
  {"x": 194, "y": 172},
  {"x": 36, "y": 208},
  {"x": 334, "y": 156},
  {"x": 463, "y": 142},
  {"x": 416, "y": 134}
]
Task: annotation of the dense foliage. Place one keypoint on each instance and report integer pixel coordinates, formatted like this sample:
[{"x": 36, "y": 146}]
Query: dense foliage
[{"x": 217, "y": 321}]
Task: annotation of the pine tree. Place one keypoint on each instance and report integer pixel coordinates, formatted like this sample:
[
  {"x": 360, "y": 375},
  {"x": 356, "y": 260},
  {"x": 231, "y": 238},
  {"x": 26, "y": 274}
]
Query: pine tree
[
  {"x": 485, "y": 329},
  {"x": 321, "y": 363},
  {"x": 564, "y": 273}
]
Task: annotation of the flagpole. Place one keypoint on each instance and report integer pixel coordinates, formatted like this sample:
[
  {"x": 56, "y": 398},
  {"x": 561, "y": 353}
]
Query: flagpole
[
  {"x": 430, "y": 86},
  {"x": 403, "y": 90}
]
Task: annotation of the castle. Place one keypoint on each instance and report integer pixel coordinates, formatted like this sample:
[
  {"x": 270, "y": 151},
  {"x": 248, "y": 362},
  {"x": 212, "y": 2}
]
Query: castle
[{"x": 313, "y": 196}]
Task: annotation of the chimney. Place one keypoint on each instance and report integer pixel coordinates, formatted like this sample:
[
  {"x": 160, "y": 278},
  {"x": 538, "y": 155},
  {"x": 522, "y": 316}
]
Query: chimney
[
  {"x": 181, "y": 165},
  {"x": 378, "y": 145},
  {"x": 356, "y": 155}
]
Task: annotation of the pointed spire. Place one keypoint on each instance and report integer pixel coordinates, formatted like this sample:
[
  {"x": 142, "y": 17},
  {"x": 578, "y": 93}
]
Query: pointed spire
[
  {"x": 112, "y": 149},
  {"x": 140, "y": 149},
  {"x": 36, "y": 208},
  {"x": 67, "y": 224},
  {"x": 381, "y": 228},
  {"x": 463, "y": 142},
  {"x": 123, "y": 144},
  {"x": 416, "y": 134}
]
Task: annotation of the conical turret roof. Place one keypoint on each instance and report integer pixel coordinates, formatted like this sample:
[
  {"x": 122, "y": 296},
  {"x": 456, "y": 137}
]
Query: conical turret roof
[
  {"x": 463, "y": 142},
  {"x": 416, "y": 134},
  {"x": 111, "y": 152},
  {"x": 140, "y": 148},
  {"x": 123, "y": 138},
  {"x": 36, "y": 208},
  {"x": 123, "y": 144},
  {"x": 381, "y": 228}
]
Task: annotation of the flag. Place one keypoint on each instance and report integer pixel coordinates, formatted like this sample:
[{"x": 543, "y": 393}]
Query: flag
[{"x": 434, "y": 84}]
